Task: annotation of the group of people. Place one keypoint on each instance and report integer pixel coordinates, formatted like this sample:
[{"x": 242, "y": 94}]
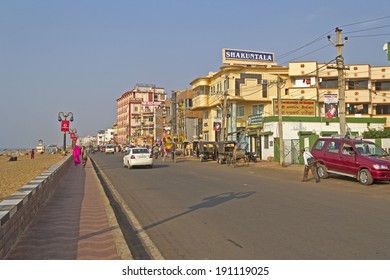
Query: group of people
[{"x": 80, "y": 151}]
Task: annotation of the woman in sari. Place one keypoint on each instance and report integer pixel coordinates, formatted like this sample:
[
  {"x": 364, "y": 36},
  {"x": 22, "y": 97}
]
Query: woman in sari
[{"x": 76, "y": 154}]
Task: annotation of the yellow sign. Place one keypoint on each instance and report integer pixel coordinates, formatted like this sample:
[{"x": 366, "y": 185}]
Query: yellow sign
[{"x": 293, "y": 107}]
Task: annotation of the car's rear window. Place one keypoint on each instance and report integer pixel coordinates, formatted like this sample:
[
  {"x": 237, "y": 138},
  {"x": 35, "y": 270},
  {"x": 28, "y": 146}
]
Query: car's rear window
[
  {"x": 319, "y": 145},
  {"x": 140, "y": 151}
]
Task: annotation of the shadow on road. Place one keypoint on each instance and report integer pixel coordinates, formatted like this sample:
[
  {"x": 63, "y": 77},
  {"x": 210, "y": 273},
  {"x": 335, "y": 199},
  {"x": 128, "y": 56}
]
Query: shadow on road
[{"x": 208, "y": 202}]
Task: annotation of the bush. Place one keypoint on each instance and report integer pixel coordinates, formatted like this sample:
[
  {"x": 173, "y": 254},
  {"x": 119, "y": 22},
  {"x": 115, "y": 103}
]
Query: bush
[{"x": 373, "y": 133}]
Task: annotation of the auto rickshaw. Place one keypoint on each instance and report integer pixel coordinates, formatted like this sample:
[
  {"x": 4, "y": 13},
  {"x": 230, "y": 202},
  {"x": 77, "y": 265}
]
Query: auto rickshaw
[
  {"x": 207, "y": 150},
  {"x": 239, "y": 155},
  {"x": 224, "y": 150}
]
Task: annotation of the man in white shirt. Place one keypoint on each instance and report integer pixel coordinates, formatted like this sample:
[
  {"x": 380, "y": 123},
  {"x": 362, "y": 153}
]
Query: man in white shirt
[{"x": 309, "y": 164}]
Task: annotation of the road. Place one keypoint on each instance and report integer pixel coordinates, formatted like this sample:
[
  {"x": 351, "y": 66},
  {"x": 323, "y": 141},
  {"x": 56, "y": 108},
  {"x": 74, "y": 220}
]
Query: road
[{"x": 203, "y": 210}]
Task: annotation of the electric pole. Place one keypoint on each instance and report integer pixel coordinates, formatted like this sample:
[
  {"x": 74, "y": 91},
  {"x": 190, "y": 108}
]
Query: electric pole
[
  {"x": 224, "y": 118},
  {"x": 279, "y": 84},
  {"x": 341, "y": 81}
]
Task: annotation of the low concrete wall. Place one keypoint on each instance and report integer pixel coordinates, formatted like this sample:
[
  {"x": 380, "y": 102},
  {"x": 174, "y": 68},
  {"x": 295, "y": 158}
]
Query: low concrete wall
[{"x": 19, "y": 209}]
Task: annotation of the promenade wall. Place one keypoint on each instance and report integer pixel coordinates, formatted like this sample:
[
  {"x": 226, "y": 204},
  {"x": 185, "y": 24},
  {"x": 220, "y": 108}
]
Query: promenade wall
[{"x": 19, "y": 209}]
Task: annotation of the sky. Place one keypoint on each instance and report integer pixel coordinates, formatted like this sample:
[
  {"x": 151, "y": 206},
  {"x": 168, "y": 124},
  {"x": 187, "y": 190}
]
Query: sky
[{"x": 80, "y": 56}]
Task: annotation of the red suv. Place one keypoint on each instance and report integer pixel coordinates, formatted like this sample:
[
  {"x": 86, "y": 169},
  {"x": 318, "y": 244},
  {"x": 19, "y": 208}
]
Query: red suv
[{"x": 363, "y": 160}]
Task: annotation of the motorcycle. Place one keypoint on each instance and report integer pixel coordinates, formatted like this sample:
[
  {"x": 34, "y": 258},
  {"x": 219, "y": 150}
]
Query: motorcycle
[{"x": 251, "y": 156}]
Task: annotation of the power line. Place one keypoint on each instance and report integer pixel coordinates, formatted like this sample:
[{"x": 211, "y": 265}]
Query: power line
[{"x": 360, "y": 22}]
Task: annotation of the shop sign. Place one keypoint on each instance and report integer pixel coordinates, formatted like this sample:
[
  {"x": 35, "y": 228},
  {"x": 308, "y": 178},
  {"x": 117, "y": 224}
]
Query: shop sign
[
  {"x": 331, "y": 98},
  {"x": 151, "y": 103},
  {"x": 246, "y": 57},
  {"x": 255, "y": 119},
  {"x": 296, "y": 107}
]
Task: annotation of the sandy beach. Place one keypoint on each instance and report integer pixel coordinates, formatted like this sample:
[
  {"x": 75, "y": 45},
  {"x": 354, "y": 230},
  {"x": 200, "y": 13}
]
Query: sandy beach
[{"x": 15, "y": 174}]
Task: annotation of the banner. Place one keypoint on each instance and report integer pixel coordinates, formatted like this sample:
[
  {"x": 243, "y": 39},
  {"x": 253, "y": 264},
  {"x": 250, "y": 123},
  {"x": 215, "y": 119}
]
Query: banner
[
  {"x": 217, "y": 124},
  {"x": 65, "y": 126}
]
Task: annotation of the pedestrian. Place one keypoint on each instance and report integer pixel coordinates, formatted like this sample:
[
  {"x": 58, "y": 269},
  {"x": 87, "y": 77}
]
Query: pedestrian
[
  {"x": 76, "y": 154},
  {"x": 310, "y": 163},
  {"x": 84, "y": 155},
  {"x": 155, "y": 151},
  {"x": 32, "y": 154}
]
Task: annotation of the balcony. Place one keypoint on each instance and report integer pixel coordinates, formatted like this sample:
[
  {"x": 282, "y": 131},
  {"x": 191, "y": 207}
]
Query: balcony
[
  {"x": 200, "y": 102},
  {"x": 357, "y": 95}
]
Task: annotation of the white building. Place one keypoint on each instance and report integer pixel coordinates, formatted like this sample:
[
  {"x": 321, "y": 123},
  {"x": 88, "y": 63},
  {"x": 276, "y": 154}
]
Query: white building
[
  {"x": 88, "y": 140},
  {"x": 105, "y": 137}
]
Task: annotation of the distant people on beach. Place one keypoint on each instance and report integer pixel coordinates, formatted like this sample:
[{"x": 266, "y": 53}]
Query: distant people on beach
[{"x": 32, "y": 154}]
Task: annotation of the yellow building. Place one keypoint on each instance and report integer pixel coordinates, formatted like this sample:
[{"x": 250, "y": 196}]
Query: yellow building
[
  {"x": 243, "y": 89},
  {"x": 246, "y": 88}
]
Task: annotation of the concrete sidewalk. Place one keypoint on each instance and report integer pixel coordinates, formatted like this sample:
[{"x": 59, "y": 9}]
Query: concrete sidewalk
[{"x": 76, "y": 224}]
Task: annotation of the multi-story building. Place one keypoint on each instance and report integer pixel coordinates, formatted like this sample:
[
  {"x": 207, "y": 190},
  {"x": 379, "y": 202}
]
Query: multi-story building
[
  {"x": 105, "y": 137},
  {"x": 188, "y": 123},
  {"x": 139, "y": 115},
  {"x": 245, "y": 95}
]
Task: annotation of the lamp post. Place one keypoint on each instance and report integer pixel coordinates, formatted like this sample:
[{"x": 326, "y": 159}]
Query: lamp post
[
  {"x": 63, "y": 118},
  {"x": 73, "y": 136}
]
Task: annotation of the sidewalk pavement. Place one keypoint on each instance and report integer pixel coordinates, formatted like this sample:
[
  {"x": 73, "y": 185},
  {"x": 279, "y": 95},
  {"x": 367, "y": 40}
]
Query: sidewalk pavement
[{"x": 76, "y": 224}]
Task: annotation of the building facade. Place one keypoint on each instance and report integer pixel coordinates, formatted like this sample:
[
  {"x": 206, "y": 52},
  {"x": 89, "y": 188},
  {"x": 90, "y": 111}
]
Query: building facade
[
  {"x": 140, "y": 115},
  {"x": 241, "y": 101}
]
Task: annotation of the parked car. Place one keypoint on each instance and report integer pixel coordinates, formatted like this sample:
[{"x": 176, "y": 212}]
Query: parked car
[
  {"x": 363, "y": 160},
  {"x": 137, "y": 157},
  {"x": 110, "y": 149}
]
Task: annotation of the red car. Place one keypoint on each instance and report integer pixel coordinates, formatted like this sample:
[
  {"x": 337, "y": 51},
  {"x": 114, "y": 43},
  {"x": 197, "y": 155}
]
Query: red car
[{"x": 363, "y": 160}]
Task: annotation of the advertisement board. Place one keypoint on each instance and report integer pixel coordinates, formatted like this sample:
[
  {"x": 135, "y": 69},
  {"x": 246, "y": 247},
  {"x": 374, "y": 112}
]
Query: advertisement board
[{"x": 296, "y": 107}]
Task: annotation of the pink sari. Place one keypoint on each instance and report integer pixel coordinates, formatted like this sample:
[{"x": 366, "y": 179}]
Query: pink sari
[{"x": 76, "y": 155}]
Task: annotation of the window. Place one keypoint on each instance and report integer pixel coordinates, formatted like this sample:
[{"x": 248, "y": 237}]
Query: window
[
  {"x": 357, "y": 109},
  {"x": 265, "y": 88},
  {"x": 257, "y": 109},
  {"x": 382, "y": 109},
  {"x": 319, "y": 145},
  {"x": 219, "y": 112},
  {"x": 240, "y": 111},
  {"x": 226, "y": 84},
  {"x": 150, "y": 119},
  {"x": 188, "y": 103},
  {"x": 357, "y": 84},
  {"x": 328, "y": 83},
  {"x": 206, "y": 136},
  {"x": 385, "y": 85},
  {"x": 266, "y": 141},
  {"x": 333, "y": 147},
  {"x": 347, "y": 150},
  {"x": 206, "y": 114}
]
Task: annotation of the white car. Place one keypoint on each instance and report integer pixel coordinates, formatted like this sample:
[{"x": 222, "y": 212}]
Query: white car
[
  {"x": 137, "y": 157},
  {"x": 110, "y": 149}
]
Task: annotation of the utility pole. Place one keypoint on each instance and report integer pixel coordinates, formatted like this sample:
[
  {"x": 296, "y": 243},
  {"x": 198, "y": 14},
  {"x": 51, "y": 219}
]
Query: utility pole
[
  {"x": 224, "y": 118},
  {"x": 279, "y": 84},
  {"x": 341, "y": 81}
]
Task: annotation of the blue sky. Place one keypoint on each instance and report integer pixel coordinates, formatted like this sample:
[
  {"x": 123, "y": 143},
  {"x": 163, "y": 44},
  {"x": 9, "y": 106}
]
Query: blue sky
[{"x": 80, "y": 56}]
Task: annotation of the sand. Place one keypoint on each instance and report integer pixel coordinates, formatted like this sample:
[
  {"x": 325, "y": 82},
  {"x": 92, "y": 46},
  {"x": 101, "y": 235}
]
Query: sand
[{"x": 15, "y": 174}]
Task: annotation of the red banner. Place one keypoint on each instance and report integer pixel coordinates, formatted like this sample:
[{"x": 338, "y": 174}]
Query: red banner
[
  {"x": 73, "y": 135},
  {"x": 65, "y": 125}
]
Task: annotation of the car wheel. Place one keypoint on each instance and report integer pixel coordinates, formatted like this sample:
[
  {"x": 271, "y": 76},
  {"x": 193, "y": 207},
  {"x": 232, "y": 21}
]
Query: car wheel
[
  {"x": 322, "y": 172},
  {"x": 365, "y": 177}
]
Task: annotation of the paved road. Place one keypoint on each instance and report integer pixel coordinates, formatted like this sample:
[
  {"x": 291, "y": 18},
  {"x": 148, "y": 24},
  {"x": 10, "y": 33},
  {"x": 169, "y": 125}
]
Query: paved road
[{"x": 194, "y": 210}]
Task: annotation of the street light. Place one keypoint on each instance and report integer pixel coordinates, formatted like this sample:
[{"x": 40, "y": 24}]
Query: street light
[
  {"x": 63, "y": 118},
  {"x": 73, "y": 136}
]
